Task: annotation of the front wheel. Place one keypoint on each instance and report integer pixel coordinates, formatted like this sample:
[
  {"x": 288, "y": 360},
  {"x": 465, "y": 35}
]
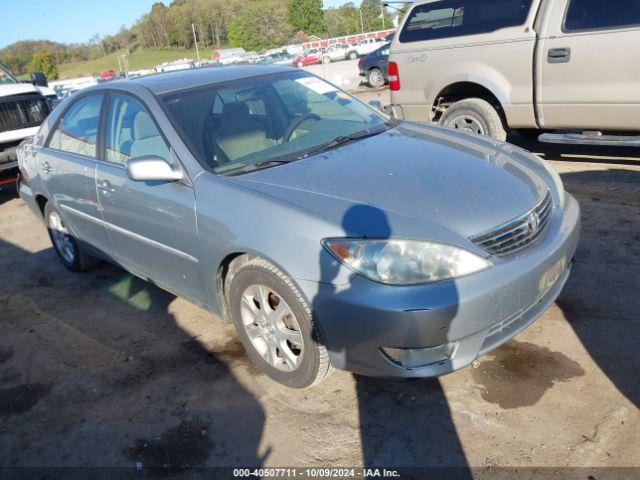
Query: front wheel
[
  {"x": 275, "y": 324},
  {"x": 66, "y": 246},
  {"x": 353, "y": 55},
  {"x": 300, "y": 64},
  {"x": 474, "y": 115},
  {"x": 375, "y": 78},
  {"x": 326, "y": 60}
]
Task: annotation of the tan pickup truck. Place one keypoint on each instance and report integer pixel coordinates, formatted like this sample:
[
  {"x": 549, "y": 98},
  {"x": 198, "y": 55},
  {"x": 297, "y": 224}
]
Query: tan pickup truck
[{"x": 566, "y": 68}]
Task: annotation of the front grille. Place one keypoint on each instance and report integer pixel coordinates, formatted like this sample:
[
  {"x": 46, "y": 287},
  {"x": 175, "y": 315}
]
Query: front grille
[
  {"x": 519, "y": 232},
  {"x": 22, "y": 111}
]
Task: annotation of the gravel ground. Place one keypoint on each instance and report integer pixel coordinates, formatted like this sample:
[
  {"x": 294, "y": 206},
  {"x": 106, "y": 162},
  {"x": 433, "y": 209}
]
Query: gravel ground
[{"x": 102, "y": 369}]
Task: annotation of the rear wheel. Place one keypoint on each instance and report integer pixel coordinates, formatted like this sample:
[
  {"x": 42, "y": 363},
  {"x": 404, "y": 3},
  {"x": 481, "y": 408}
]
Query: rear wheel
[
  {"x": 474, "y": 115},
  {"x": 352, "y": 55},
  {"x": 375, "y": 78},
  {"x": 275, "y": 324},
  {"x": 66, "y": 246}
]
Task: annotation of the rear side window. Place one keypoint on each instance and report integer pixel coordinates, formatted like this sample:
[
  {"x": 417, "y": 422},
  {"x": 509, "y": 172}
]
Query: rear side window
[
  {"x": 601, "y": 14},
  {"x": 454, "y": 18},
  {"x": 77, "y": 131}
]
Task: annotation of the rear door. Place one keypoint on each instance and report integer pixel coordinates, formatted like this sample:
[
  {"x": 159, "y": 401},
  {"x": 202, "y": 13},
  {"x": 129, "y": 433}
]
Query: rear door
[
  {"x": 67, "y": 166},
  {"x": 589, "y": 73},
  {"x": 152, "y": 224}
]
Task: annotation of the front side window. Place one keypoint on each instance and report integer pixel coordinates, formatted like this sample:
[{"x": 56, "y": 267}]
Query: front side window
[
  {"x": 130, "y": 131},
  {"x": 601, "y": 14},
  {"x": 77, "y": 131},
  {"x": 268, "y": 117},
  {"x": 454, "y": 18}
]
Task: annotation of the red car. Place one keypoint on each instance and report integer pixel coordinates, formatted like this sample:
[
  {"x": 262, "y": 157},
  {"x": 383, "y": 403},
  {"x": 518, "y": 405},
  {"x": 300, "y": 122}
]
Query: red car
[
  {"x": 307, "y": 58},
  {"x": 108, "y": 75}
]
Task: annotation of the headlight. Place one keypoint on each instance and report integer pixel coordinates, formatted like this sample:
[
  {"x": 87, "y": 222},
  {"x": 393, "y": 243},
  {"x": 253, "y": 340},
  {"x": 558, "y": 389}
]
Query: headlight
[{"x": 404, "y": 262}]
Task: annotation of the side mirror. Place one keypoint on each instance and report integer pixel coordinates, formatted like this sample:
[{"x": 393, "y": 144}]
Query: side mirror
[
  {"x": 151, "y": 168},
  {"x": 39, "y": 79},
  {"x": 376, "y": 104}
]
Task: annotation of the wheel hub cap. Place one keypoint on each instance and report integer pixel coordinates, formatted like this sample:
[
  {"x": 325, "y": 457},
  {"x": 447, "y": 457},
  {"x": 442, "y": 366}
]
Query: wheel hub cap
[
  {"x": 271, "y": 327},
  {"x": 466, "y": 123},
  {"x": 61, "y": 238}
]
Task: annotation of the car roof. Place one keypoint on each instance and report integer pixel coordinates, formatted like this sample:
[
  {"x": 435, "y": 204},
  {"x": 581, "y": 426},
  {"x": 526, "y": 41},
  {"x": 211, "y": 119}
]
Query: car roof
[{"x": 167, "y": 82}]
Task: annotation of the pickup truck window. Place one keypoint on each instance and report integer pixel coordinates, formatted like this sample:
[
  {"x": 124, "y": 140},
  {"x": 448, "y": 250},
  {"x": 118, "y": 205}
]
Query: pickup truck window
[
  {"x": 601, "y": 15},
  {"x": 454, "y": 18}
]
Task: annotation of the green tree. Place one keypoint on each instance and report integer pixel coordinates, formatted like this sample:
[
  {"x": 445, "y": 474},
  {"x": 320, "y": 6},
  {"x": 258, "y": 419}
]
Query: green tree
[
  {"x": 372, "y": 14},
  {"x": 260, "y": 25},
  {"x": 343, "y": 20},
  {"x": 43, "y": 61},
  {"x": 307, "y": 16}
]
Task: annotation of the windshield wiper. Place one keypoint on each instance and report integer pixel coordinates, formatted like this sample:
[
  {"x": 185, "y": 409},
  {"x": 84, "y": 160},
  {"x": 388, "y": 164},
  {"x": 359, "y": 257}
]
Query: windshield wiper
[
  {"x": 341, "y": 140},
  {"x": 252, "y": 167}
]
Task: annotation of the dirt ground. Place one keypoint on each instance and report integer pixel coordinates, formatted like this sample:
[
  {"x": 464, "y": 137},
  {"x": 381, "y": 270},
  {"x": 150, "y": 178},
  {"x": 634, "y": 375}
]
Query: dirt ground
[{"x": 101, "y": 369}]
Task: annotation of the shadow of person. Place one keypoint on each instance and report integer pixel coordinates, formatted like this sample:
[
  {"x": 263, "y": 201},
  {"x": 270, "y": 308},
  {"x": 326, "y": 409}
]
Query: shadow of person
[
  {"x": 600, "y": 300},
  {"x": 96, "y": 370},
  {"x": 403, "y": 423}
]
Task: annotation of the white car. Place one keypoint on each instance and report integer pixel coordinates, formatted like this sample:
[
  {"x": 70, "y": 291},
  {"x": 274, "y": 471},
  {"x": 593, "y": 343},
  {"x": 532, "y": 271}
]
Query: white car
[
  {"x": 336, "y": 53},
  {"x": 368, "y": 45}
]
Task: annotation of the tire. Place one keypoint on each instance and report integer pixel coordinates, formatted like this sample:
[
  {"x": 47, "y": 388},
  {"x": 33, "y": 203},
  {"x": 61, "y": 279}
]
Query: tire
[
  {"x": 71, "y": 254},
  {"x": 375, "y": 78},
  {"x": 326, "y": 60},
  {"x": 352, "y": 55},
  {"x": 300, "y": 64},
  {"x": 242, "y": 288},
  {"x": 474, "y": 115}
]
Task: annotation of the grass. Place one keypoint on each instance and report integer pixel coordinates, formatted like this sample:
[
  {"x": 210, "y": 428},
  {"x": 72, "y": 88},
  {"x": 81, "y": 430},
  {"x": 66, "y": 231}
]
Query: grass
[{"x": 138, "y": 59}]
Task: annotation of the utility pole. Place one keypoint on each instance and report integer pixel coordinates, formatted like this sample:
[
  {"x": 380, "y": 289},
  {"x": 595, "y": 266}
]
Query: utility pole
[
  {"x": 382, "y": 15},
  {"x": 195, "y": 40},
  {"x": 361, "y": 20}
]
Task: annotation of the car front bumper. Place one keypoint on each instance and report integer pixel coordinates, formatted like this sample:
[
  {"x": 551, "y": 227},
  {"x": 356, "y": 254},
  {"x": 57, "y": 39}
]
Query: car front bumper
[{"x": 362, "y": 321}]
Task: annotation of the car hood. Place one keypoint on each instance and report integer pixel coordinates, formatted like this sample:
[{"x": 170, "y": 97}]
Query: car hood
[{"x": 410, "y": 181}]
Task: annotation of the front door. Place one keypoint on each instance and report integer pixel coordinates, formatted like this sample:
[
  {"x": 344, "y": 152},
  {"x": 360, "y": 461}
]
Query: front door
[
  {"x": 589, "y": 72},
  {"x": 67, "y": 166},
  {"x": 152, "y": 224}
]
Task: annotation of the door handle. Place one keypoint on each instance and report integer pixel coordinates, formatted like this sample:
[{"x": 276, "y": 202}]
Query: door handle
[
  {"x": 106, "y": 187},
  {"x": 46, "y": 167},
  {"x": 559, "y": 55}
]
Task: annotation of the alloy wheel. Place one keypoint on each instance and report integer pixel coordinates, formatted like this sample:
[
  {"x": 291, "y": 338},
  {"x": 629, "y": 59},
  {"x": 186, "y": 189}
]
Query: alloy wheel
[
  {"x": 61, "y": 239},
  {"x": 272, "y": 327}
]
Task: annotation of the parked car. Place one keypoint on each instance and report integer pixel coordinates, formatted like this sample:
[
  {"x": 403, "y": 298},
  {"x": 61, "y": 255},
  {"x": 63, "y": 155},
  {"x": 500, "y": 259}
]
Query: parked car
[
  {"x": 368, "y": 45},
  {"x": 228, "y": 56},
  {"x": 562, "y": 66},
  {"x": 328, "y": 233},
  {"x": 276, "y": 58},
  {"x": 309, "y": 57},
  {"x": 374, "y": 67},
  {"x": 23, "y": 107},
  {"x": 335, "y": 53},
  {"x": 108, "y": 75}
]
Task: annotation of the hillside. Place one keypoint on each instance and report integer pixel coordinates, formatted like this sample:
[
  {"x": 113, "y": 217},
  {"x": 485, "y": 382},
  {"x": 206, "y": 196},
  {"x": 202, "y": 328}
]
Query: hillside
[{"x": 140, "y": 58}]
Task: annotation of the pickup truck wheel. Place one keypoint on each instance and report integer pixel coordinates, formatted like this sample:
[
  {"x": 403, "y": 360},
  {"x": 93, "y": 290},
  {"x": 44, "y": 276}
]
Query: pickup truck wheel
[
  {"x": 275, "y": 324},
  {"x": 474, "y": 115},
  {"x": 326, "y": 60},
  {"x": 353, "y": 55},
  {"x": 375, "y": 78},
  {"x": 65, "y": 245}
]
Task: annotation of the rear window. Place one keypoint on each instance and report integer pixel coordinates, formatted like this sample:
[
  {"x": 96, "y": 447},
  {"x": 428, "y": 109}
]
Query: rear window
[
  {"x": 454, "y": 18},
  {"x": 601, "y": 15}
]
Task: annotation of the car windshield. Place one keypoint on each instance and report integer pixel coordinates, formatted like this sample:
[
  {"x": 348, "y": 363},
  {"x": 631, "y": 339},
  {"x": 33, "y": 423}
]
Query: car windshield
[
  {"x": 6, "y": 77},
  {"x": 277, "y": 117}
]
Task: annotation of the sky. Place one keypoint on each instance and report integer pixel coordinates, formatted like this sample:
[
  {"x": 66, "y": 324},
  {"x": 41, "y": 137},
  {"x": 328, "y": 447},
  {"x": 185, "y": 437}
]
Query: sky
[{"x": 70, "y": 21}]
